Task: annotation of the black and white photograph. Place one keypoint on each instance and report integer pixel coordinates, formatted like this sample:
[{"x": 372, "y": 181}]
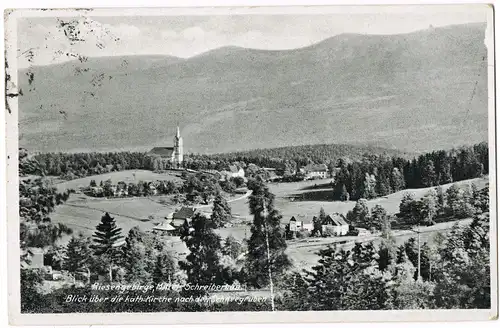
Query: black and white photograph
[{"x": 306, "y": 160}]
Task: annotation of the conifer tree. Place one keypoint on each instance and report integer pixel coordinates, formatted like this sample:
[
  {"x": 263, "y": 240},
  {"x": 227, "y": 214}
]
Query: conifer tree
[
  {"x": 369, "y": 190},
  {"x": 203, "y": 264},
  {"x": 397, "y": 180},
  {"x": 317, "y": 226},
  {"x": 388, "y": 251},
  {"x": 408, "y": 209},
  {"x": 360, "y": 215},
  {"x": 406, "y": 292},
  {"x": 221, "y": 212},
  {"x": 382, "y": 185},
  {"x": 344, "y": 195},
  {"x": 105, "y": 242},
  {"x": 429, "y": 174},
  {"x": 328, "y": 281},
  {"x": 379, "y": 217},
  {"x": 137, "y": 256},
  {"x": 322, "y": 215},
  {"x": 164, "y": 268},
  {"x": 441, "y": 200},
  {"x": 78, "y": 255},
  {"x": 232, "y": 247},
  {"x": 294, "y": 293},
  {"x": 428, "y": 206},
  {"x": 444, "y": 175}
]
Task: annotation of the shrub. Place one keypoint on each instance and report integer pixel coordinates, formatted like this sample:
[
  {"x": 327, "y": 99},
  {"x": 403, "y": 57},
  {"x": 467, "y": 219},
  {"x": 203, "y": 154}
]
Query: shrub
[
  {"x": 328, "y": 231},
  {"x": 302, "y": 233}
]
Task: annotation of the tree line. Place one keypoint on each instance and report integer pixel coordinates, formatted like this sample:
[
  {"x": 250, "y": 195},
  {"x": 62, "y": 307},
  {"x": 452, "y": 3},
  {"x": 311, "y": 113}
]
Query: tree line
[
  {"x": 456, "y": 203},
  {"x": 358, "y": 173},
  {"x": 77, "y": 165},
  {"x": 377, "y": 176}
]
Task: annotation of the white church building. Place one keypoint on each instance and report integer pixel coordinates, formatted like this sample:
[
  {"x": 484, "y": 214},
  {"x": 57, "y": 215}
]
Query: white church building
[{"x": 175, "y": 154}]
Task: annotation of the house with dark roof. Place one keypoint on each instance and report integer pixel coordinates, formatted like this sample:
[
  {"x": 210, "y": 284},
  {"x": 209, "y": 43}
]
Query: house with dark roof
[
  {"x": 177, "y": 219},
  {"x": 165, "y": 152},
  {"x": 337, "y": 223},
  {"x": 315, "y": 171}
]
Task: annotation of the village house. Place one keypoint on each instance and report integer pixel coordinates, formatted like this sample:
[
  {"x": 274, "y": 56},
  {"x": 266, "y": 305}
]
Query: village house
[
  {"x": 166, "y": 228},
  {"x": 336, "y": 222},
  {"x": 271, "y": 174},
  {"x": 315, "y": 171},
  {"x": 174, "y": 221},
  {"x": 301, "y": 222},
  {"x": 38, "y": 260},
  {"x": 233, "y": 171}
]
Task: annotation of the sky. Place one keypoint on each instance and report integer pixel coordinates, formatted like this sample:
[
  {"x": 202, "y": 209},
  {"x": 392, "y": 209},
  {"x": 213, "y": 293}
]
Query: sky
[{"x": 187, "y": 36}]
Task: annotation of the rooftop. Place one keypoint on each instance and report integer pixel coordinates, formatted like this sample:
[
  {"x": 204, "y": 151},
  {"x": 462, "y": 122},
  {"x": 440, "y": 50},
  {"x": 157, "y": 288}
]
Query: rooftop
[
  {"x": 162, "y": 151},
  {"x": 315, "y": 168},
  {"x": 338, "y": 219},
  {"x": 184, "y": 213}
]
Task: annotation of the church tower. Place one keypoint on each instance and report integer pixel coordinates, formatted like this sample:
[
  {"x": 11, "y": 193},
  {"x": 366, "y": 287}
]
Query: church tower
[{"x": 178, "y": 155}]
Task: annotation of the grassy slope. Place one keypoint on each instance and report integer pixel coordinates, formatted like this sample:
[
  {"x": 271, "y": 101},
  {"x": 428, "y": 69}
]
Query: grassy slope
[{"x": 126, "y": 176}]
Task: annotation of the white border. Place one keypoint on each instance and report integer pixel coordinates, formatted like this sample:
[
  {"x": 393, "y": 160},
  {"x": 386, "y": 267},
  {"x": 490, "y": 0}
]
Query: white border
[{"x": 228, "y": 317}]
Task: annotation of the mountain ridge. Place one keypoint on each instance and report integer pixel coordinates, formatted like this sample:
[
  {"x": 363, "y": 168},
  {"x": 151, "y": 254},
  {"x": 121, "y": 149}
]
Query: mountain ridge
[{"x": 409, "y": 92}]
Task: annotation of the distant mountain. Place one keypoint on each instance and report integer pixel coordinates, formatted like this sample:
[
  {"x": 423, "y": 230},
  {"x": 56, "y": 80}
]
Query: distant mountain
[{"x": 416, "y": 92}]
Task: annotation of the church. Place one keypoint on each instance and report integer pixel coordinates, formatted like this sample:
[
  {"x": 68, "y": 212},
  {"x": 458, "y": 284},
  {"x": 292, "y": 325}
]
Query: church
[{"x": 174, "y": 154}]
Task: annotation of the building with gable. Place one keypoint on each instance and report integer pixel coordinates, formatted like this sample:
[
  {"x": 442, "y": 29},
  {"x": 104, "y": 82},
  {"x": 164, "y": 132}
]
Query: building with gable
[
  {"x": 315, "y": 171},
  {"x": 175, "y": 154}
]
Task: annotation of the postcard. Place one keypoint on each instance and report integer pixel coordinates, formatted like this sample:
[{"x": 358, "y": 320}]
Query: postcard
[{"x": 251, "y": 165}]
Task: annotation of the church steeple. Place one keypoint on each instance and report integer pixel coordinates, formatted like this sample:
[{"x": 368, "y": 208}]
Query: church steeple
[{"x": 178, "y": 156}]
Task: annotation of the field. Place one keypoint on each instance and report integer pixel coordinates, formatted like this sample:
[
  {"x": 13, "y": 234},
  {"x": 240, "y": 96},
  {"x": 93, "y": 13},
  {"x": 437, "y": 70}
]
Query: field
[
  {"x": 297, "y": 198},
  {"x": 83, "y": 213},
  {"x": 125, "y": 176},
  {"x": 300, "y": 197}
]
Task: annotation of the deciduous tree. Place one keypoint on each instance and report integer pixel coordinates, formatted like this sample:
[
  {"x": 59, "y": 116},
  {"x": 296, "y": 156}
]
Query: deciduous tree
[{"x": 267, "y": 245}]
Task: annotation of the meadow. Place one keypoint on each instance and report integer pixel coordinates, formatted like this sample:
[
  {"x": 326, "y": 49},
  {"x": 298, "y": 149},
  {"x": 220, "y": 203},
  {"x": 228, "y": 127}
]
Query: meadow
[
  {"x": 126, "y": 176},
  {"x": 298, "y": 198}
]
